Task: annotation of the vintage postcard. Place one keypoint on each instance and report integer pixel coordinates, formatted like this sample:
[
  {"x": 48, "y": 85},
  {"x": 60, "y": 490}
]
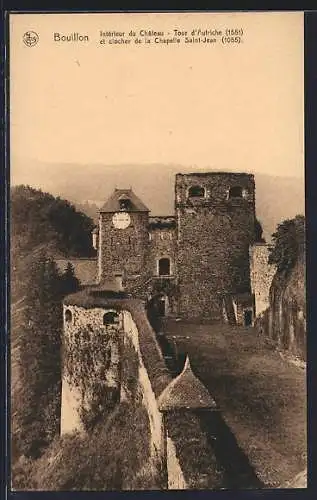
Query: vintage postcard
[{"x": 158, "y": 305}]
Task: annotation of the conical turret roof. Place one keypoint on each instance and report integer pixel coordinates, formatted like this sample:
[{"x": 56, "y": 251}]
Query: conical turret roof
[{"x": 186, "y": 391}]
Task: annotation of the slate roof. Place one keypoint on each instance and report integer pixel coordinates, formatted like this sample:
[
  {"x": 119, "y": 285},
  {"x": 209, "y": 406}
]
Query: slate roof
[
  {"x": 113, "y": 205},
  {"x": 186, "y": 391}
]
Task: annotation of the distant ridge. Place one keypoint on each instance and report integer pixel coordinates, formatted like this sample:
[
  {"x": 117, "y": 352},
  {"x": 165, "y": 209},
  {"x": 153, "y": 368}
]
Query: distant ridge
[{"x": 277, "y": 198}]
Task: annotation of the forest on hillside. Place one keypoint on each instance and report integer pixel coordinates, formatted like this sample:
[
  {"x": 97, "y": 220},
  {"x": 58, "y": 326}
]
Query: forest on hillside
[
  {"x": 38, "y": 217},
  {"x": 40, "y": 222},
  {"x": 41, "y": 228},
  {"x": 44, "y": 227}
]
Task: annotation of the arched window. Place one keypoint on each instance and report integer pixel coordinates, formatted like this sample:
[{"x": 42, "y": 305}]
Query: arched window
[
  {"x": 235, "y": 192},
  {"x": 110, "y": 318},
  {"x": 164, "y": 267},
  {"x": 68, "y": 316},
  {"x": 196, "y": 192},
  {"x": 125, "y": 204}
]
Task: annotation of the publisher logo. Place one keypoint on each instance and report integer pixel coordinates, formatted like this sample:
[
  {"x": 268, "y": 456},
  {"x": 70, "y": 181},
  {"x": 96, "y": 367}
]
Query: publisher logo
[{"x": 30, "y": 38}]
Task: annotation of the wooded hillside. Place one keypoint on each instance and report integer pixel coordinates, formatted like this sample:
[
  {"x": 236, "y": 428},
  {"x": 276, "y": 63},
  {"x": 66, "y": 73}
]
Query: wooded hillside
[
  {"x": 41, "y": 227},
  {"x": 41, "y": 222}
]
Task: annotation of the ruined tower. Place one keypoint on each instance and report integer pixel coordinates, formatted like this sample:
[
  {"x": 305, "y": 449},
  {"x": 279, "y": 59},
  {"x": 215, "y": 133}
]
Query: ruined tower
[{"x": 215, "y": 218}]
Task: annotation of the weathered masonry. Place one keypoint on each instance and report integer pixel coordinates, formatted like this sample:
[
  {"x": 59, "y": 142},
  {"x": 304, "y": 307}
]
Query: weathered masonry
[
  {"x": 194, "y": 263},
  {"x": 215, "y": 219},
  {"x": 110, "y": 356}
]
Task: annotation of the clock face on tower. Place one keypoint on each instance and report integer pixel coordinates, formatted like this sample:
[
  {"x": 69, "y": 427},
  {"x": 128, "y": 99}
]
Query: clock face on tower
[{"x": 121, "y": 220}]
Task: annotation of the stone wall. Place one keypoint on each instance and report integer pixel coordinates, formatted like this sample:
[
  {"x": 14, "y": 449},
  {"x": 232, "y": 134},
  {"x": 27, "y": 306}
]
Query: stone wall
[
  {"x": 148, "y": 396},
  {"x": 261, "y": 273},
  {"x": 178, "y": 445},
  {"x": 175, "y": 478},
  {"x": 162, "y": 244},
  {"x": 91, "y": 367},
  {"x": 191, "y": 459},
  {"x": 213, "y": 237},
  {"x": 284, "y": 321}
]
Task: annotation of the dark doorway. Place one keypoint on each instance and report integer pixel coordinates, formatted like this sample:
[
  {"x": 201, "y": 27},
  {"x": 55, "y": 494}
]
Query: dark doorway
[
  {"x": 164, "y": 267},
  {"x": 247, "y": 317}
]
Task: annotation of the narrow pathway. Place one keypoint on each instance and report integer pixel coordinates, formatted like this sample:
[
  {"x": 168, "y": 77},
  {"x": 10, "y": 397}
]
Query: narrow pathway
[{"x": 262, "y": 398}]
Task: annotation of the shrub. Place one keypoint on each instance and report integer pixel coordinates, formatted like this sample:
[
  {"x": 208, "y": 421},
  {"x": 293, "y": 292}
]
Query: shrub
[
  {"x": 114, "y": 456},
  {"x": 288, "y": 243},
  {"x": 38, "y": 412},
  {"x": 22, "y": 474}
]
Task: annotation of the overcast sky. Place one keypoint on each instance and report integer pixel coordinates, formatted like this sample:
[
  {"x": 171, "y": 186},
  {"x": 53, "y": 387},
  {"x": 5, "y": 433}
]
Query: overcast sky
[{"x": 224, "y": 107}]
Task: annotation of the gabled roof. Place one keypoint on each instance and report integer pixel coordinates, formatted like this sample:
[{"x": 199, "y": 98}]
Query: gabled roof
[{"x": 113, "y": 203}]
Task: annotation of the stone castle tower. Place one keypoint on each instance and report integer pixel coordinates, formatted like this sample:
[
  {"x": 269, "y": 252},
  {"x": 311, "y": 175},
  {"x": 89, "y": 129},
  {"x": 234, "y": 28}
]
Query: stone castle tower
[
  {"x": 215, "y": 218},
  {"x": 196, "y": 261},
  {"x": 193, "y": 264},
  {"x": 123, "y": 240}
]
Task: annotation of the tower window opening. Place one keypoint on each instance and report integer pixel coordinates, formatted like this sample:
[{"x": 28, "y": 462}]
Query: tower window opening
[
  {"x": 125, "y": 204},
  {"x": 110, "y": 318},
  {"x": 68, "y": 316},
  {"x": 164, "y": 267},
  {"x": 235, "y": 192},
  {"x": 196, "y": 192}
]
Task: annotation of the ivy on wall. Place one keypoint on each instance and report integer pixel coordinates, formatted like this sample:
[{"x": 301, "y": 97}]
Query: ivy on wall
[
  {"x": 130, "y": 371},
  {"x": 87, "y": 363}
]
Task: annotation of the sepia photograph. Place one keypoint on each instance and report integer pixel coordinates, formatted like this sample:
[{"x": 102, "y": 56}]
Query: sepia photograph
[{"x": 157, "y": 249}]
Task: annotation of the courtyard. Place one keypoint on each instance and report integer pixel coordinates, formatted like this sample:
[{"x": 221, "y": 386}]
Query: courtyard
[{"x": 262, "y": 398}]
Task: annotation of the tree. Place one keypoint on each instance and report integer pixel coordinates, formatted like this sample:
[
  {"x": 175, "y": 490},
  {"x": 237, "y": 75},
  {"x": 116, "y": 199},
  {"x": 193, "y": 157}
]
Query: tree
[
  {"x": 40, "y": 358},
  {"x": 69, "y": 282},
  {"x": 288, "y": 243},
  {"x": 39, "y": 218}
]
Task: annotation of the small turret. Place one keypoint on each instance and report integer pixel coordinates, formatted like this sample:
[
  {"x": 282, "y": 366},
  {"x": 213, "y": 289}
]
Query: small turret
[{"x": 186, "y": 391}]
